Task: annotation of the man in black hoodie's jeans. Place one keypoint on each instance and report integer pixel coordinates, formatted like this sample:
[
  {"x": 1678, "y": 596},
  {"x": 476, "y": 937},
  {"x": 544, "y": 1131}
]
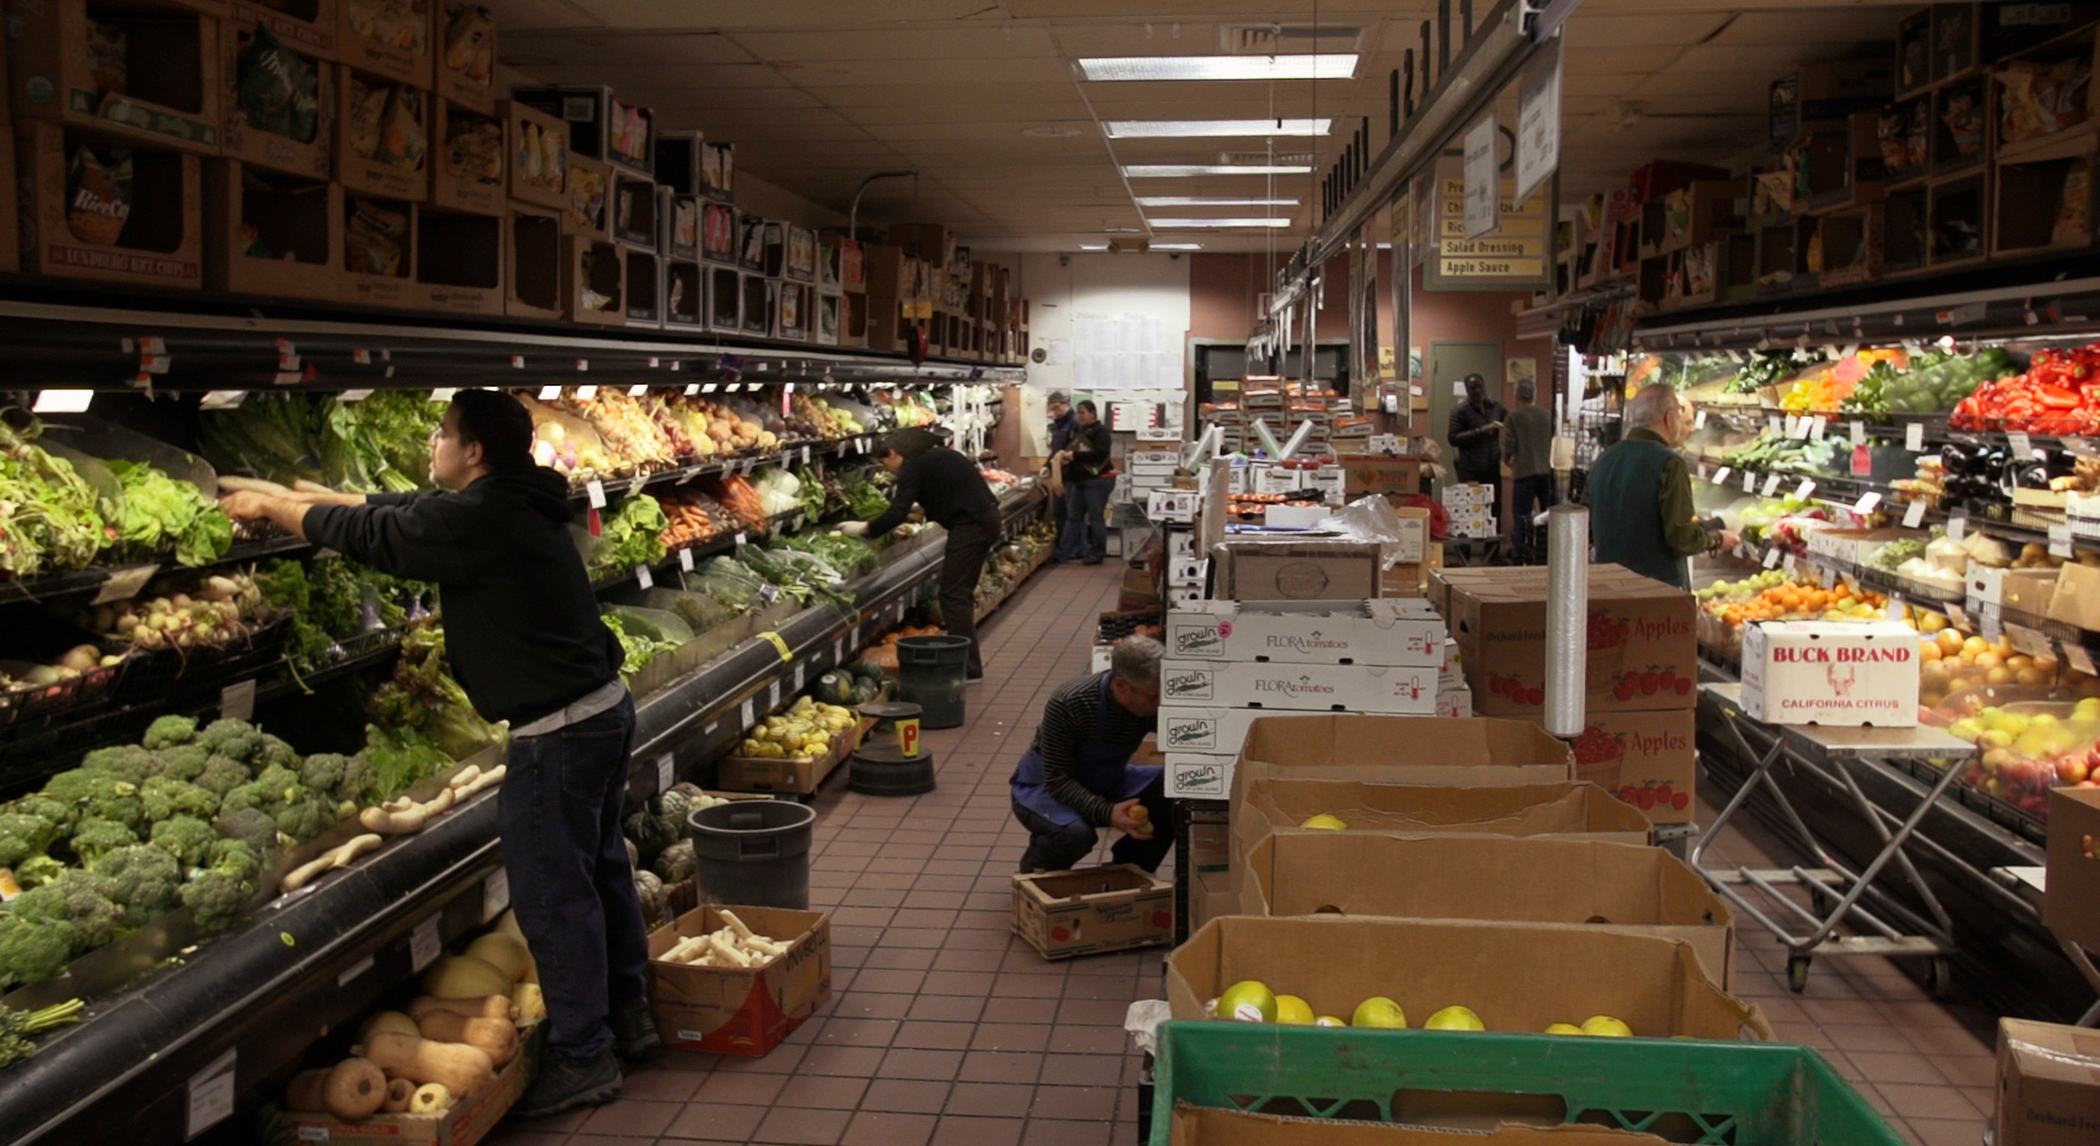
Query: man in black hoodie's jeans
[{"x": 524, "y": 639}]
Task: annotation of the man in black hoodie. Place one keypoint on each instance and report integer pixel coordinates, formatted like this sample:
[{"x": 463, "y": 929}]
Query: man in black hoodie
[
  {"x": 524, "y": 639},
  {"x": 956, "y": 497}
]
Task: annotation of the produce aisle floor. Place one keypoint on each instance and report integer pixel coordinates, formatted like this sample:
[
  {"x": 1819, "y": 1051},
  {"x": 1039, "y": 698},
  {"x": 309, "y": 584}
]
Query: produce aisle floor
[{"x": 946, "y": 1029}]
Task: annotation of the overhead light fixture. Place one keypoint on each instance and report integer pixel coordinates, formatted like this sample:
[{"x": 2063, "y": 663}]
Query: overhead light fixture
[
  {"x": 1185, "y": 224},
  {"x": 1177, "y": 246},
  {"x": 1093, "y": 246},
  {"x": 1193, "y": 128},
  {"x": 1210, "y": 201},
  {"x": 1186, "y": 170},
  {"x": 1329, "y": 66},
  {"x": 1050, "y": 131}
]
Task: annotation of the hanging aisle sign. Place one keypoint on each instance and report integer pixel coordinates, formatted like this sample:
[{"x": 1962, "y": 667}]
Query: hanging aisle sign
[
  {"x": 1482, "y": 192},
  {"x": 1512, "y": 257},
  {"x": 1538, "y": 123}
]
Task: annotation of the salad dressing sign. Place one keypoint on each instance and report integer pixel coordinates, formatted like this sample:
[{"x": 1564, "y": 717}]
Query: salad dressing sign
[{"x": 1512, "y": 256}]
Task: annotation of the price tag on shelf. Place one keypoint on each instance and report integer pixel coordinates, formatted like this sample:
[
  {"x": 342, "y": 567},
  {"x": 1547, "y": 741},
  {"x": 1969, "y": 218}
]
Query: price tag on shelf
[
  {"x": 1957, "y": 526},
  {"x": 838, "y": 651},
  {"x": 2078, "y": 658},
  {"x": 1721, "y": 476},
  {"x": 585, "y": 393},
  {"x": 685, "y": 560},
  {"x": 744, "y": 714},
  {"x": 1805, "y": 489},
  {"x": 1866, "y": 503},
  {"x": 1796, "y": 428},
  {"x": 1771, "y": 484},
  {"x": 1702, "y": 472},
  {"x": 549, "y": 393},
  {"x": 1791, "y": 564},
  {"x": 740, "y": 540},
  {"x": 1771, "y": 558},
  {"x": 801, "y": 675},
  {"x": 237, "y": 700},
  {"x": 805, "y": 455},
  {"x": 772, "y": 695},
  {"x": 666, "y": 772},
  {"x": 1817, "y": 427},
  {"x": 124, "y": 584},
  {"x": 211, "y": 1095},
  {"x": 353, "y": 395},
  {"x": 596, "y": 490},
  {"x": 2026, "y": 640},
  {"x": 1699, "y": 420},
  {"x": 642, "y": 574},
  {"x": 1859, "y": 433},
  {"x": 443, "y": 393},
  {"x": 423, "y": 944},
  {"x": 638, "y": 389},
  {"x": 495, "y": 894},
  {"x": 1914, "y": 437},
  {"x": 1774, "y": 425},
  {"x": 1989, "y": 627},
  {"x": 350, "y": 974},
  {"x": 2022, "y": 445},
  {"x": 1914, "y": 516},
  {"x": 2060, "y": 542},
  {"x": 1749, "y": 482}
]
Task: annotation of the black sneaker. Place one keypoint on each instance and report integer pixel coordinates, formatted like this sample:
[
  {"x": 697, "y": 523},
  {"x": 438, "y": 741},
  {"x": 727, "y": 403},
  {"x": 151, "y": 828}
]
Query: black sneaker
[
  {"x": 634, "y": 1032},
  {"x": 566, "y": 1082}
]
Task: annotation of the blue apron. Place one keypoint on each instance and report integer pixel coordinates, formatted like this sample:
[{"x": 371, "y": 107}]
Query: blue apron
[{"x": 1104, "y": 769}]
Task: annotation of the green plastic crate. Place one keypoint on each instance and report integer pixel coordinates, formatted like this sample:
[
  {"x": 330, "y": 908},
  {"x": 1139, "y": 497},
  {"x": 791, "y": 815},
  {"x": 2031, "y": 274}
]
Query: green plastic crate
[{"x": 1682, "y": 1090}]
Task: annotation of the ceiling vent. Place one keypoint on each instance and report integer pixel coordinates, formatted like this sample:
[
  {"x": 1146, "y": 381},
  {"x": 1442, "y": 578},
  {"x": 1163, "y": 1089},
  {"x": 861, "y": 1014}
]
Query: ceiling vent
[
  {"x": 1288, "y": 39},
  {"x": 1136, "y": 246},
  {"x": 1264, "y": 159}
]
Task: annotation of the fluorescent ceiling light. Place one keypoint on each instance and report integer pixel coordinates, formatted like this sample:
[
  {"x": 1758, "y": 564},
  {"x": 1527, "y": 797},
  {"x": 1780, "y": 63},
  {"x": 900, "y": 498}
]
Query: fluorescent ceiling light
[
  {"x": 1192, "y": 128},
  {"x": 1093, "y": 246},
  {"x": 1329, "y": 66},
  {"x": 1210, "y": 201},
  {"x": 1185, "y": 170},
  {"x": 1182, "y": 224},
  {"x": 1177, "y": 246}
]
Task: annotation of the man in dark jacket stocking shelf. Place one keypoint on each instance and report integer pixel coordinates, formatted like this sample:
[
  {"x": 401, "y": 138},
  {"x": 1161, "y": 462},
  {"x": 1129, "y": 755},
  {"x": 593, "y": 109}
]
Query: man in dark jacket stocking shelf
[{"x": 953, "y": 492}]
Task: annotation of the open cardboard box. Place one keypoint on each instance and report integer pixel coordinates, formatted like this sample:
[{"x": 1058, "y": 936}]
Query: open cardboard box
[
  {"x": 459, "y": 262},
  {"x": 742, "y": 1011},
  {"x": 2048, "y": 1083},
  {"x": 1518, "y": 977},
  {"x": 400, "y": 45},
  {"x": 458, "y": 182},
  {"x": 368, "y": 288},
  {"x": 538, "y": 160},
  {"x": 1405, "y": 749},
  {"x": 1212, "y": 1126},
  {"x": 601, "y": 266},
  {"x": 173, "y": 92},
  {"x": 162, "y": 240},
  {"x": 367, "y": 175},
  {"x": 454, "y": 85},
  {"x": 299, "y": 221},
  {"x": 1090, "y": 910},
  {"x": 2071, "y": 908},
  {"x": 645, "y": 288},
  {"x": 242, "y": 140},
  {"x": 1637, "y": 890},
  {"x": 305, "y": 26},
  {"x": 469, "y": 1120},
  {"x": 532, "y": 262},
  {"x": 685, "y": 295}
]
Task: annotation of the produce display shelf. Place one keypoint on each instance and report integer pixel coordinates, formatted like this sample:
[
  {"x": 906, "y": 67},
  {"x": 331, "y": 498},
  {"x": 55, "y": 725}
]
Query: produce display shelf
[
  {"x": 251, "y": 1001},
  {"x": 63, "y": 586}
]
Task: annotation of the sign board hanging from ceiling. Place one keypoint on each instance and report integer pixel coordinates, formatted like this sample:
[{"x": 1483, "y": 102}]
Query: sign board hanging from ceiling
[
  {"x": 1538, "y": 122},
  {"x": 1516, "y": 255}
]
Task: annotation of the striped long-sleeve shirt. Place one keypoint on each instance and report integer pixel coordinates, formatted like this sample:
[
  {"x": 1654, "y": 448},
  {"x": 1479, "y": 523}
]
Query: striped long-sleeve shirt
[{"x": 1068, "y": 722}]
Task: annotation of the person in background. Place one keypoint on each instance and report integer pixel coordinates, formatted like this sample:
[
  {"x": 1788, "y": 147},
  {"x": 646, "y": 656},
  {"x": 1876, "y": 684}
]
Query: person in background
[
  {"x": 1090, "y": 476},
  {"x": 955, "y": 496},
  {"x": 1527, "y": 445},
  {"x": 523, "y": 637},
  {"x": 1475, "y": 433},
  {"x": 1062, "y": 422},
  {"x": 1076, "y": 778},
  {"x": 1640, "y": 495}
]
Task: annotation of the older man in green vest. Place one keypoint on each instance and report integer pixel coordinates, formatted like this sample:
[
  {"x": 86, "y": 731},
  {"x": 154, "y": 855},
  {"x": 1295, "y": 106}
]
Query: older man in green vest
[{"x": 1640, "y": 495}]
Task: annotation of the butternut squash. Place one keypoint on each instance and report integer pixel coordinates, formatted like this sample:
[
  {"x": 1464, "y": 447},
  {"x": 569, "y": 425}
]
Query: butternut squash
[
  {"x": 496, "y": 1038},
  {"x": 356, "y": 1089},
  {"x": 457, "y": 1067},
  {"x": 464, "y": 977},
  {"x": 503, "y": 952},
  {"x": 528, "y": 1002},
  {"x": 398, "y": 1092},
  {"x": 388, "y": 1021},
  {"x": 430, "y": 1099},
  {"x": 487, "y": 1007},
  {"x": 307, "y": 1093}
]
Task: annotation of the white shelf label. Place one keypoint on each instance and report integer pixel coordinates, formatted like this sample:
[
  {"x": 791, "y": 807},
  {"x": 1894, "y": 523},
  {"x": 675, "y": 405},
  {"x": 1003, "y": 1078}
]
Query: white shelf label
[
  {"x": 1771, "y": 484},
  {"x": 2060, "y": 542},
  {"x": 596, "y": 490},
  {"x": 495, "y": 894},
  {"x": 685, "y": 560},
  {"x": 1914, "y": 437},
  {"x": 2078, "y": 658},
  {"x": 642, "y": 574},
  {"x": 1721, "y": 475},
  {"x": 1818, "y": 427},
  {"x": 1914, "y": 516},
  {"x": 211, "y": 1094},
  {"x": 1771, "y": 558},
  {"x": 2022, "y": 446},
  {"x": 740, "y": 540},
  {"x": 1699, "y": 420},
  {"x": 1790, "y": 564},
  {"x": 237, "y": 700},
  {"x": 443, "y": 393},
  {"x": 801, "y": 675},
  {"x": 1749, "y": 482},
  {"x": 772, "y": 695},
  {"x": 666, "y": 772},
  {"x": 1805, "y": 489},
  {"x": 638, "y": 389},
  {"x": 423, "y": 944},
  {"x": 1859, "y": 433},
  {"x": 350, "y": 974},
  {"x": 745, "y": 715},
  {"x": 1957, "y": 526},
  {"x": 353, "y": 395},
  {"x": 549, "y": 393},
  {"x": 1866, "y": 503}
]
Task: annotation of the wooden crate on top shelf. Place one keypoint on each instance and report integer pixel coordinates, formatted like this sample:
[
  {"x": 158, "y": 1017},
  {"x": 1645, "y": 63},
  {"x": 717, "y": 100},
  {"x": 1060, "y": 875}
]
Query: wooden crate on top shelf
[
  {"x": 794, "y": 310},
  {"x": 309, "y": 27},
  {"x": 593, "y": 280},
  {"x": 2043, "y": 206},
  {"x": 2057, "y": 74},
  {"x": 379, "y": 252},
  {"x": 1963, "y": 126},
  {"x": 1781, "y": 246},
  {"x": 261, "y": 146},
  {"x": 645, "y": 288},
  {"x": 370, "y": 159},
  {"x": 678, "y": 159},
  {"x": 465, "y": 69},
  {"x": 391, "y": 38},
  {"x": 635, "y": 221},
  {"x": 1956, "y": 41},
  {"x": 159, "y": 243},
  {"x": 267, "y": 233},
  {"x": 681, "y": 216},
  {"x": 1914, "y": 53},
  {"x": 471, "y": 160},
  {"x": 172, "y": 84},
  {"x": 537, "y": 161},
  {"x": 532, "y": 262},
  {"x": 1736, "y": 264},
  {"x": 459, "y": 262},
  {"x": 1958, "y": 219},
  {"x": 1851, "y": 246},
  {"x": 1839, "y": 166},
  {"x": 685, "y": 295},
  {"x": 853, "y": 319},
  {"x": 757, "y": 307}
]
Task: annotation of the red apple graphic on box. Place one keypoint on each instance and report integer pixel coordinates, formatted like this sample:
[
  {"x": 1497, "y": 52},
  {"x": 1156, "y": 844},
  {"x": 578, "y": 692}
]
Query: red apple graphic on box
[{"x": 1162, "y": 920}]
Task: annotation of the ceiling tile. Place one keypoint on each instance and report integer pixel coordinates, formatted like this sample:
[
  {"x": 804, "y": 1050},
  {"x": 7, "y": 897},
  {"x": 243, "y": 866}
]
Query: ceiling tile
[
  {"x": 864, "y": 73},
  {"x": 1595, "y": 29},
  {"x": 622, "y": 50},
  {"x": 934, "y": 90},
  {"x": 1069, "y": 115},
  {"x": 741, "y": 14},
  {"x": 1008, "y": 41},
  {"x": 1825, "y": 28}
]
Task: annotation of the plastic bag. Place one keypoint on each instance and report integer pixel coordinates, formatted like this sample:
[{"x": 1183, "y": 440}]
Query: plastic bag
[
  {"x": 107, "y": 47},
  {"x": 98, "y": 195},
  {"x": 403, "y": 141},
  {"x": 470, "y": 41},
  {"x": 1369, "y": 519},
  {"x": 587, "y": 198},
  {"x": 361, "y": 121},
  {"x": 279, "y": 90},
  {"x": 403, "y": 24},
  {"x": 375, "y": 240},
  {"x": 474, "y": 148}
]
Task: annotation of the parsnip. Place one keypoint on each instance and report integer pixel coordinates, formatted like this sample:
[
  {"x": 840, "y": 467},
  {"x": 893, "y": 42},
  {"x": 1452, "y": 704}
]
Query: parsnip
[{"x": 343, "y": 856}]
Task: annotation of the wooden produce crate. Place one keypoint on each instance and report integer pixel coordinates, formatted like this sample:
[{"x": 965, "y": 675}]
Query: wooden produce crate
[
  {"x": 1690, "y": 215},
  {"x": 598, "y": 266},
  {"x": 260, "y": 144},
  {"x": 587, "y": 208},
  {"x": 792, "y": 310},
  {"x": 371, "y": 157},
  {"x": 459, "y": 262},
  {"x": 1906, "y": 131},
  {"x": 379, "y": 252},
  {"x": 1905, "y": 240},
  {"x": 306, "y": 26},
  {"x": 853, "y": 320},
  {"x": 1914, "y": 53},
  {"x": 470, "y": 161},
  {"x": 635, "y": 219},
  {"x": 681, "y": 215},
  {"x": 267, "y": 233},
  {"x": 751, "y": 243},
  {"x": 532, "y": 262},
  {"x": 724, "y": 305},
  {"x": 801, "y": 254},
  {"x": 539, "y": 155},
  {"x": 645, "y": 288},
  {"x": 168, "y": 93},
  {"x": 1958, "y": 220},
  {"x": 2042, "y": 206},
  {"x": 2057, "y": 76},
  {"x": 799, "y": 777},
  {"x": 602, "y": 126},
  {"x": 685, "y": 295},
  {"x": 391, "y": 38},
  {"x": 158, "y": 240},
  {"x": 1842, "y": 163},
  {"x": 465, "y": 68},
  {"x": 679, "y": 155}
]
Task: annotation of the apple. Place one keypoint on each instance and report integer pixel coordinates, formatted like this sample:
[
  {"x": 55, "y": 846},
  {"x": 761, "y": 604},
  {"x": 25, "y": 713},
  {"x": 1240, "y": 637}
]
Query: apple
[{"x": 2071, "y": 769}]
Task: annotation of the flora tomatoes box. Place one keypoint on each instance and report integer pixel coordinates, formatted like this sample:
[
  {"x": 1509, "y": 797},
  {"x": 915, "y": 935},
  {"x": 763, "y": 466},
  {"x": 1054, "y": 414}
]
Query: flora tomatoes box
[
  {"x": 1831, "y": 672},
  {"x": 1646, "y": 759},
  {"x": 1641, "y": 651}
]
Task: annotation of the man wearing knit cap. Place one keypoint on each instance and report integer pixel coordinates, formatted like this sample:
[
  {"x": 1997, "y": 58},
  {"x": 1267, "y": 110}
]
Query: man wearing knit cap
[{"x": 953, "y": 492}]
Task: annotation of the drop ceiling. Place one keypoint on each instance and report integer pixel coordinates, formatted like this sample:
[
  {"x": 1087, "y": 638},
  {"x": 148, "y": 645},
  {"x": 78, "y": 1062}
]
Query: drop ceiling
[{"x": 983, "y": 100}]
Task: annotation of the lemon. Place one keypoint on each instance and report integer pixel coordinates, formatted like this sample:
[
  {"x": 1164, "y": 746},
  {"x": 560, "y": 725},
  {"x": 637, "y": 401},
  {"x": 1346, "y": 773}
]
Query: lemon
[
  {"x": 1293, "y": 1010},
  {"x": 1325, "y": 823}
]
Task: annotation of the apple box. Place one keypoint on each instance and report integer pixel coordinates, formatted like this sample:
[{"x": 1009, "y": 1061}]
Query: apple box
[
  {"x": 1090, "y": 910},
  {"x": 2071, "y": 908},
  {"x": 2048, "y": 1084},
  {"x": 1831, "y": 672}
]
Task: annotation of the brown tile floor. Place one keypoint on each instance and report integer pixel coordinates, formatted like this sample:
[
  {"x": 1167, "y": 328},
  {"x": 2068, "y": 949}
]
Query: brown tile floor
[{"x": 944, "y": 1029}]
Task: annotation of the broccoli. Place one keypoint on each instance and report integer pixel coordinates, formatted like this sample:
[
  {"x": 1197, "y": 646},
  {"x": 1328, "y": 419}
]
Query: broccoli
[
  {"x": 278, "y": 776},
  {"x": 235, "y": 738},
  {"x": 222, "y": 774},
  {"x": 275, "y": 752},
  {"x": 323, "y": 771},
  {"x": 39, "y": 870},
  {"x": 94, "y": 839},
  {"x": 187, "y": 838},
  {"x": 360, "y": 782},
  {"x": 32, "y": 950},
  {"x": 43, "y": 903},
  {"x": 38, "y": 804},
  {"x": 96, "y": 920},
  {"x": 145, "y": 882},
  {"x": 257, "y": 829},
  {"x": 97, "y": 793},
  {"x": 185, "y": 762},
  {"x": 23, "y": 835},
  {"x": 162, "y": 798},
  {"x": 235, "y": 857},
  {"x": 169, "y": 731},
  {"x": 215, "y": 899},
  {"x": 127, "y": 762},
  {"x": 307, "y": 816}
]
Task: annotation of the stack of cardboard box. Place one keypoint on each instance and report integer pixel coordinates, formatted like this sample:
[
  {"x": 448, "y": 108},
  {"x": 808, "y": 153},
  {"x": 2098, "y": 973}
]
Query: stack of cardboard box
[{"x": 1472, "y": 509}]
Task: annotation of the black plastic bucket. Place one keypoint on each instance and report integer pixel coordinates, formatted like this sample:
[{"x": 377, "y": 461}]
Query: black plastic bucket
[
  {"x": 753, "y": 852},
  {"x": 932, "y": 671},
  {"x": 889, "y": 772}
]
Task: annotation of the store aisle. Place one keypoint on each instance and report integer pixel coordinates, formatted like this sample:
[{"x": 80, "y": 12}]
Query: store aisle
[{"x": 946, "y": 1029}]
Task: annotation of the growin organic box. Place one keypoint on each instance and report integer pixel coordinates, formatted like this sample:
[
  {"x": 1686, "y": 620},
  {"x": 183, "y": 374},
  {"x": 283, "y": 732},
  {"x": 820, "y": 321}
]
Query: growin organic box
[{"x": 1831, "y": 672}]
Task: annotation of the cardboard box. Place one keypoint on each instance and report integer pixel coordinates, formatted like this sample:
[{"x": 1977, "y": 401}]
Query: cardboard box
[
  {"x": 1299, "y": 569},
  {"x": 391, "y": 38},
  {"x": 2048, "y": 1084},
  {"x": 635, "y": 220},
  {"x": 599, "y": 266},
  {"x": 162, "y": 240},
  {"x": 685, "y": 295},
  {"x": 1639, "y": 630},
  {"x": 645, "y": 289},
  {"x": 2077, "y": 598},
  {"x": 1412, "y": 545},
  {"x": 1454, "y": 702},
  {"x": 1647, "y": 759},
  {"x": 1635, "y": 890},
  {"x": 588, "y": 208},
  {"x": 761, "y": 774},
  {"x": 1367, "y": 632},
  {"x": 1405, "y": 750},
  {"x": 730, "y": 1010},
  {"x": 1210, "y": 897},
  {"x": 360, "y": 281},
  {"x": 602, "y": 127},
  {"x": 357, "y": 94},
  {"x": 1214, "y": 1126},
  {"x": 1831, "y": 672},
  {"x": 2072, "y": 907},
  {"x": 310, "y": 31},
  {"x": 1085, "y": 911},
  {"x": 681, "y": 216},
  {"x": 1294, "y": 516},
  {"x": 532, "y": 262},
  {"x": 1363, "y": 475},
  {"x": 1199, "y": 775},
  {"x": 466, "y": 175},
  {"x": 1516, "y": 977},
  {"x": 538, "y": 163},
  {"x": 298, "y": 221},
  {"x": 174, "y": 89},
  {"x": 1402, "y": 690},
  {"x": 466, "y": 34},
  {"x": 467, "y": 1121},
  {"x": 1213, "y": 730},
  {"x": 243, "y": 140},
  {"x": 1172, "y": 505},
  {"x": 459, "y": 262}
]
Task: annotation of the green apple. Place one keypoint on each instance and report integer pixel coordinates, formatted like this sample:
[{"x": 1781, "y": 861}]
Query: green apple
[
  {"x": 1379, "y": 1011},
  {"x": 1454, "y": 1019},
  {"x": 1248, "y": 1001}
]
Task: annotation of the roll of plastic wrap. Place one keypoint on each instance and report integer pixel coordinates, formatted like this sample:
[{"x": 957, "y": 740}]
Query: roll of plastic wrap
[{"x": 1567, "y": 618}]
